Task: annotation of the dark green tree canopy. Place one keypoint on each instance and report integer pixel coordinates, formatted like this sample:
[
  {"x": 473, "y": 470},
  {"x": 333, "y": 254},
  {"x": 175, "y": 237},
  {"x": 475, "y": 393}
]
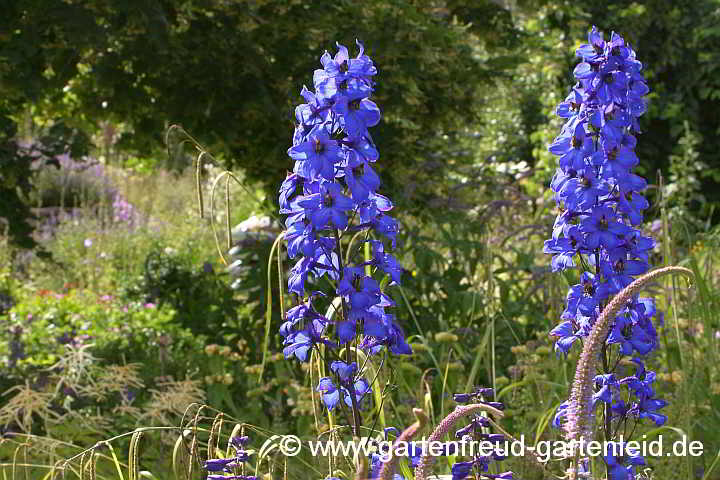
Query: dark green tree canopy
[{"x": 230, "y": 73}]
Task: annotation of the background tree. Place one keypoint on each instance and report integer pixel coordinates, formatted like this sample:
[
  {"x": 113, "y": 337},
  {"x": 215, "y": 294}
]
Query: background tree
[{"x": 464, "y": 84}]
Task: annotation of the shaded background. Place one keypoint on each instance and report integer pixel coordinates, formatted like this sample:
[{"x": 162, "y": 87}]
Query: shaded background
[{"x": 462, "y": 84}]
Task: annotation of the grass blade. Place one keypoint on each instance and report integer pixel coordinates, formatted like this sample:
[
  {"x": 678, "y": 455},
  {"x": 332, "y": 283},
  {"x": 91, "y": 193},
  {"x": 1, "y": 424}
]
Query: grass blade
[{"x": 268, "y": 306}]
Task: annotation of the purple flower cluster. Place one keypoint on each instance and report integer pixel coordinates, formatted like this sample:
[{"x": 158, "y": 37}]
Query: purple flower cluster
[
  {"x": 218, "y": 467},
  {"x": 87, "y": 174},
  {"x": 72, "y": 338},
  {"x": 622, "y": 460},
  {"x": 331, "y": 196},
  {"x": 123, "y": 211},
  {"x": 601, "y": 206}
]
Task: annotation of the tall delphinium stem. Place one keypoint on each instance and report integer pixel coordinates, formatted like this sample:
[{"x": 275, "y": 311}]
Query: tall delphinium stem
[
  {"x": 331, "y": 192},
  {"x": 357, "y": 420},
  {"x": 600, "y": 209}
]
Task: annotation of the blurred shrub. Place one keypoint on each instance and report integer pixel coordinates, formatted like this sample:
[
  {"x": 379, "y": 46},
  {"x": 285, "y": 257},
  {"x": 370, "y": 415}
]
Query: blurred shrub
[
  {"x": 105, "y": 249},
  {"x": 73, "y": 184},
  {"x": 202, "y": 300},
  {"x": 683, "y": 196},
  {"x": 478, "y": 266},
  {"x": 73, "y": 190},
  {"x": 48, "y": 321},
  {"x": 20, "y": 163},
  {"x": 248, "y": 265},
  {"x": 79, "y": 367}
]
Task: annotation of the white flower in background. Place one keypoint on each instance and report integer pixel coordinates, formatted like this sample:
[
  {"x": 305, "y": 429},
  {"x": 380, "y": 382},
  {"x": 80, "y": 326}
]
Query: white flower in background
[{"x": 254, "y": 222}]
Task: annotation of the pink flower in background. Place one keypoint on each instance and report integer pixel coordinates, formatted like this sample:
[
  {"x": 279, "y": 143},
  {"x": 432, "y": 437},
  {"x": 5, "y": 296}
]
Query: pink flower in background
[
  {"x": 88, "y": 243},
  {"x": 149, "y": 305},
  {"x": 123, "y": 211}
]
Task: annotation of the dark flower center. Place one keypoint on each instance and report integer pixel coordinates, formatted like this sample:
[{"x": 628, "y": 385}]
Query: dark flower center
[
  {"x": 344, "y": 67},
  {"x": 615, "y": 51},
  {"x": 619, "y": 266},
  {"x": 608, "y": 78},
  {"x": 589, "y": 289},
  {"x": 354, "y": 105},
  {"x": 602, "y": 223},
  {"x": 359, "y": 170},
  {"x": 328, "y": 200},
  {"x": 319, "y": 146},
  {"x": 612, "y": 154},
  {"x": 576, "y": 142},
  {"x": 586, "y": 183}
]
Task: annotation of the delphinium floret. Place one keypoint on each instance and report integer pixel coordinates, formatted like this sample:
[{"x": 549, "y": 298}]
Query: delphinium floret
[
  {"x": 601, "y": 206},
  {"x": 333, "y": 210},
  {"x": 478, "y": 430},
  {"x": 218, "y": 468}
]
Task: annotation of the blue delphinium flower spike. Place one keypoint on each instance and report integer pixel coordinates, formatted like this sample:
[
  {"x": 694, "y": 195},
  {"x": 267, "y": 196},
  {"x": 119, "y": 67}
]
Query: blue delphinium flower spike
[
  {"x": 333, "y": 191},
  {"x": 601, "y": 206}
]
